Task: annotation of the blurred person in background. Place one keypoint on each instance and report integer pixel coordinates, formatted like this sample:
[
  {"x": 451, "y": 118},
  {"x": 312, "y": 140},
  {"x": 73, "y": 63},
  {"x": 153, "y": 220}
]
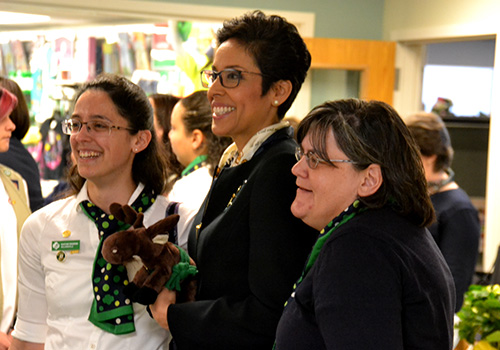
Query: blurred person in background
[
  {"x": 197, "y": 149},
  {"x": 163, "y": 104},
  {"x": 14, "y": 209},
  {"x": 457, "y": 229},
  {"x": 18, "y": 157}
]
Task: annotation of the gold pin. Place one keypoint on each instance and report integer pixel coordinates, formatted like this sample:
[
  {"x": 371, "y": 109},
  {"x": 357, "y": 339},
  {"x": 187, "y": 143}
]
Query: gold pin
[
  {"x": 60, "y": 256},
  {"x": 66, "y": 233}
]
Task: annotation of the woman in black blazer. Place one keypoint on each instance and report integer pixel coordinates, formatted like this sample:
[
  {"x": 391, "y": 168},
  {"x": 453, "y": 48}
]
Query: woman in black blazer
[{"x": 247, "y": 245}]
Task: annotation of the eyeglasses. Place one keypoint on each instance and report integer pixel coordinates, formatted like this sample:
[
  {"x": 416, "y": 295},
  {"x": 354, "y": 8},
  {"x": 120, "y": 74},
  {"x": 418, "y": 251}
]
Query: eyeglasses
[
  {"x": 94, "y": 127},
  {"x": 313, "y": 160},
  {"x": 229, "y": 78}
]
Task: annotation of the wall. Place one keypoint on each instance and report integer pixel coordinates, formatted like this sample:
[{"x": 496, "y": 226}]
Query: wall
[
  {"x": 353, "y": 19},
  {"x": 464, "y": 17}
]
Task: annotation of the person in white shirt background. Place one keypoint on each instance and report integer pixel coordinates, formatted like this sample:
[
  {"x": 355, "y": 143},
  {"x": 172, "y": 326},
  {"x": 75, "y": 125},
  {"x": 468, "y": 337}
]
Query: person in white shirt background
[
  {"x": 197, "y": 149},
  {"x": 14, "y": 206}
]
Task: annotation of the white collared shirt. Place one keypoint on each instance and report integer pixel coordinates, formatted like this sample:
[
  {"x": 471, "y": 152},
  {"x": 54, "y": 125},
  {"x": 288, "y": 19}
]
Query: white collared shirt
[
  {"x": 55, "y": 296},
  {"x": 8, "y": 271},
  {"x": 237, "y": 156},
  {"x": 190, "y": 190}
]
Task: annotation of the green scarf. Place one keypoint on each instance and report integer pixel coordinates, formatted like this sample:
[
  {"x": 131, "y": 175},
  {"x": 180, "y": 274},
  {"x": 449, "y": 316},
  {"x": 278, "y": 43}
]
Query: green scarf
[
  {"x": 197, "y": 163},
  {"x": 355, "y": 208},
  {"x": 111, "y": 310}
]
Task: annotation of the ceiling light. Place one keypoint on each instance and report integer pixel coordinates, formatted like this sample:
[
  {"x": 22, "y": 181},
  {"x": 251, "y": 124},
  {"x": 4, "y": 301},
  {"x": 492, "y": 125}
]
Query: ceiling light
[{"x": 21, "y": 18}]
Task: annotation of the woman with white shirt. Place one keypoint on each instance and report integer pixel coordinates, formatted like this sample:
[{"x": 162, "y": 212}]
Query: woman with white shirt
[
  {"x": 69, "y": 297},
  {"x": 197, "y": 149}
]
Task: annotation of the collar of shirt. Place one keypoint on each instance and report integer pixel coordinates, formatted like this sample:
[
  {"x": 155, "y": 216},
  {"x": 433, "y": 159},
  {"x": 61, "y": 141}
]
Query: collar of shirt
[{"x": 232, "y": 156}]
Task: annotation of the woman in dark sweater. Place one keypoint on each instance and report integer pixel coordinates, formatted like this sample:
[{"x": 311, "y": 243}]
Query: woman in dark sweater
[{"x": 375, "y": 278}]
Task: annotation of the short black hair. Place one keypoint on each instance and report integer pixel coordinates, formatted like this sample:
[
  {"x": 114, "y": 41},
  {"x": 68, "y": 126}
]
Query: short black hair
[{"x": 276, "y": 46}]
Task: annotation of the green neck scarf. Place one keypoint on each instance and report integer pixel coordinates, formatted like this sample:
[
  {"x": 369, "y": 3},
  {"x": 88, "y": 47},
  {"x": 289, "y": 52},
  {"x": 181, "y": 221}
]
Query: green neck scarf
[
  {"x": 112, "y": 310},
  {"x": 355, "y": 208},
  {"x": 197, "y": 163}
]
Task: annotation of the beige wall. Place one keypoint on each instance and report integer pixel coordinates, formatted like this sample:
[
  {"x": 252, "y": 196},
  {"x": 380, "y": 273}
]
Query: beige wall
[{"x": 445, "y": 16}]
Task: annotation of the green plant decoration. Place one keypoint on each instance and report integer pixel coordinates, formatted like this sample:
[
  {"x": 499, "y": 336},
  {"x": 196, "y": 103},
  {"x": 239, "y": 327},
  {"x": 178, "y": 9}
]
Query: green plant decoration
[{"x": 480, "y": 315}]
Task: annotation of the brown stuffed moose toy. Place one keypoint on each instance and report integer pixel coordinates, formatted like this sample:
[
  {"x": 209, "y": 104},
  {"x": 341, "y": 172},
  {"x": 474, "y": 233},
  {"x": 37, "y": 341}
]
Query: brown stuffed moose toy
[{"x": 164, "y": 265}]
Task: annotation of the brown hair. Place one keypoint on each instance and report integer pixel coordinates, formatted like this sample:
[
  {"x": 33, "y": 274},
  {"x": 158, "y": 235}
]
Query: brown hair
[
  {"x": 163, "y": 106},
  {"x": 198, "y": 115},
  {"x": 371, "y": 132},
  {"x": 149, "y": 166},
  {"x": 432, "y": 137}
]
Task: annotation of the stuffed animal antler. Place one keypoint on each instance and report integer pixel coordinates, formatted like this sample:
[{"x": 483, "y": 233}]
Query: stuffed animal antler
[{"x": 164, "y": 264}]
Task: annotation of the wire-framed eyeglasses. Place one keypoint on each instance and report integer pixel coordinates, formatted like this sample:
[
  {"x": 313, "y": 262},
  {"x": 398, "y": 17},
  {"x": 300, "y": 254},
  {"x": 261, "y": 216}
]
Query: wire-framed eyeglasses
[
  {"x": 94, "y": 127},
  {"x": 313, "y": 160},
  {"x": 229, "y": 78}
]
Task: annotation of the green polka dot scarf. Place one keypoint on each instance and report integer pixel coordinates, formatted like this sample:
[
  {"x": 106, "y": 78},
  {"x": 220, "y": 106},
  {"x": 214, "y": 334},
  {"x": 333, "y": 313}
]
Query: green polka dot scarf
[
  {"x": 195, "y": 165},
  {"x": 112, "y": 310}
]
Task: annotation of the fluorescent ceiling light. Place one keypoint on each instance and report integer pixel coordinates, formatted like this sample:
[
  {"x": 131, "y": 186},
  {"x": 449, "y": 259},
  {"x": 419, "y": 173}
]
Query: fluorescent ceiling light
[{"x": 21, "y": 18}]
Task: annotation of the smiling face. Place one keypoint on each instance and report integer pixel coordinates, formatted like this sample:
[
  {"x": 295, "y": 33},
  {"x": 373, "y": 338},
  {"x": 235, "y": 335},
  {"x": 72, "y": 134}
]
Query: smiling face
[
  {"x": 103, "y": 158},
  {"x": 242, "y": 111},
  {"x": 6, "y": 129},
  {"x": 324, "y": 192}
]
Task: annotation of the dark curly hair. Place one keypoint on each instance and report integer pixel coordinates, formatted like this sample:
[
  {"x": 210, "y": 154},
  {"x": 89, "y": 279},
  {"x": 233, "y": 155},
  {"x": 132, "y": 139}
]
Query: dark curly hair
[
  {"x": 131, "y": 102},
  {"x": 372, "y": 132},
  {"x": 276, "y": 46}
]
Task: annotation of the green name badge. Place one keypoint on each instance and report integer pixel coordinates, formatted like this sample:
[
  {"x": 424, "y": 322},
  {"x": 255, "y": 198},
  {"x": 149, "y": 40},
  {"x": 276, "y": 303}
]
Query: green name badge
[{"x": 65, "y": 245}]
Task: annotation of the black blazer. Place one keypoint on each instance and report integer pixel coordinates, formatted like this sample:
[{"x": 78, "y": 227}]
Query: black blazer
[{"x": 249, "y": 252}]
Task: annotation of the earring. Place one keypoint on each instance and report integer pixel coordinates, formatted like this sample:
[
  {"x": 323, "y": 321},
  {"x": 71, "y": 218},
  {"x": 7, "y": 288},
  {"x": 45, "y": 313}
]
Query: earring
[
  {"x": 276, "y": 102},
  {"x": 135, "y": 150}
]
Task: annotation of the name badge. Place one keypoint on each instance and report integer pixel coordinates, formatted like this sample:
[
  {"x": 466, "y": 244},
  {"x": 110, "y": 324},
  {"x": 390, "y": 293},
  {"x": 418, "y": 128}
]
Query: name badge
[{"x": 65, "y": 246}]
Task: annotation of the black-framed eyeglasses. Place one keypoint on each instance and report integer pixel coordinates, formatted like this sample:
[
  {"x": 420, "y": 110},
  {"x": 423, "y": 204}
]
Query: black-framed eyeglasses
[
  {"x": 94, "y": 127},
  {"x": 312, "y": 159},
  {"x": 229, "y": 78}
]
